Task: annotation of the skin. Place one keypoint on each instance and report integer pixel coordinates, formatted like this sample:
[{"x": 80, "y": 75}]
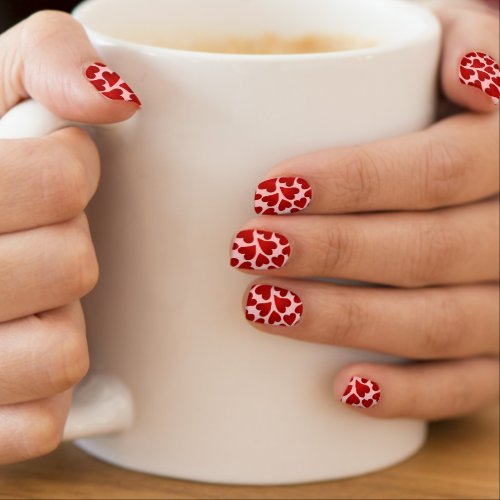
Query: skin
[{"x": 428, "y": 215}]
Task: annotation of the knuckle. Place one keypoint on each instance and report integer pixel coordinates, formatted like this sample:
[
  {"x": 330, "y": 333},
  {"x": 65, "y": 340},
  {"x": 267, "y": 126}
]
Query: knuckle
[
  {"x": 44, "y": 432},
  {"x": 41, "y": 28},
  {"x": 444, "y": 170},
  {"x": 356, "y": 177},
  {"x": 64, "y": 184},
  {"x": 457, "y": 400},
  {"x": 81, "y": 270},
  {"x": 443, "y": 331},
  {"x": 349, "y": 323},
  {"x": 337, "y": 251},
  {"x": 70, "y": 358},
  {"x": 435, "y": 245},
  {"x": 47, "y": 16},
  {"x": 40, "y": 25}
]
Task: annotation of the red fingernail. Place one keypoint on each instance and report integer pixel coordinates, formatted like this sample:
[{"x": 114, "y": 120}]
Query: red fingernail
[
  {"x": 361, "y": 392},
  {"x": 110, "y": 84},
  {"x": 282, "y": 196},
  {"x": 271, "y": 305},
  {"x": 480, "y": 70},
  {"x": 261, "y": 250}
]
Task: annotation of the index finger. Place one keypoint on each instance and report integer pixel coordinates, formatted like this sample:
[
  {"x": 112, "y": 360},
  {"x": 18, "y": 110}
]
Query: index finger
[
  {"x": 453, "y": 162},
  {"x": 470, "y": 71}
]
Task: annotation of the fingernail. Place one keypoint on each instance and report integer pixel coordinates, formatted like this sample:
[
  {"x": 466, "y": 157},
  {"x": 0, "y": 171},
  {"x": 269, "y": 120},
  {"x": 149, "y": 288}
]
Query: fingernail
[
  {"x": 261, "y": 250},
  {"x": 361, "y": 392},
  {"x": 271, "y": 305},
  {"x": 110, "y": 84},
  {"x": 282, "y": 196},
  {"x": 480, "y": 70}
]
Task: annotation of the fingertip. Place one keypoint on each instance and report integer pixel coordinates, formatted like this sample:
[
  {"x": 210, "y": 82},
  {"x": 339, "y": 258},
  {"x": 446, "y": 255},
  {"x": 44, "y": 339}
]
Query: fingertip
[
  {"x": 103, "y": 97},
  {"x": 462, "y": 83},
  {"x": 63, "y": 71},
  {"x": 479, "y": 78},
  {"x": 105, "y": 112},
  {"x": 470, "y": 72},
  {"x": 356, "y": 386},
  {"x": 110, "y": 85},
  {"x": 340, "y": 382}
]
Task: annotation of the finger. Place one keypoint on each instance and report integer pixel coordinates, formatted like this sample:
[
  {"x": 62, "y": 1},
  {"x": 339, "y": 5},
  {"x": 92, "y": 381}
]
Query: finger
[
  {"x": 452, "y": 162},
  {"x": 447, "y": 246},
  {"x": 48, "y": 180},
  {"x": 49, "y": 57},
  {"x": 429, "y": 323},
  {"x": 32, "y": 429},
  {"x": 45, "y": 268},
  {"x": 470, "y": 71},
  {"x": 429, "y": 391},
  {"x": 42, "y": 355}
]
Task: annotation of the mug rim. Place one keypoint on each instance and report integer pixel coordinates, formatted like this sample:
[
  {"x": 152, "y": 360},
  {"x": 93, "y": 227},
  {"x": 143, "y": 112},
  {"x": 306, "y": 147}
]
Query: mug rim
[{"x": 434, "y": 29}]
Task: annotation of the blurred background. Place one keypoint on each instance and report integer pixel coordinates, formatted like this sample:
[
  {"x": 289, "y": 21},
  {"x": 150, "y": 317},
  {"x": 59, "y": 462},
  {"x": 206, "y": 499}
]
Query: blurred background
[{"x": 12, "y": 11}]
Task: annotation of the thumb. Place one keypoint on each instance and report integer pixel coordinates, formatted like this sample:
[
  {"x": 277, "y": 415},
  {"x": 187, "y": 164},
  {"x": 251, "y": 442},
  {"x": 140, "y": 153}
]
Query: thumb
[
  {"x": 470, "y": 71},
  {"x": 49, "y": 58}
]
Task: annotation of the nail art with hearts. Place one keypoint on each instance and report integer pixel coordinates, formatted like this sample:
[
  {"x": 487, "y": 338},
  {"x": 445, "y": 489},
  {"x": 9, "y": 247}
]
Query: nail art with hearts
[
  {"x": 110, "y": 84},
  {"x": 361, "y": 392},
  {"x": 480, "y": 70},
  {"x": 282, "y": 196},
  {"x": 271, "y": 305},
  {"x": 262, "y": 250}
]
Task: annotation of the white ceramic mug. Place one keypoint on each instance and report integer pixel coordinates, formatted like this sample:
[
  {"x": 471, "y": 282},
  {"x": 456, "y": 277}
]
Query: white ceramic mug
[{"x": 191, "y": 391}]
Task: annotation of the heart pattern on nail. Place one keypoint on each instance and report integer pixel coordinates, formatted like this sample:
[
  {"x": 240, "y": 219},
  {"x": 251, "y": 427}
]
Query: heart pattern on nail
[
  {"x": 109, "y": 83},
  {"x": 271, "y": 305},
  {"x": 479, "y": 70},
  {"x": 262, "y": 250},
  {"x": 361, "y": 392},
  {"x": 282, "y": 196}
]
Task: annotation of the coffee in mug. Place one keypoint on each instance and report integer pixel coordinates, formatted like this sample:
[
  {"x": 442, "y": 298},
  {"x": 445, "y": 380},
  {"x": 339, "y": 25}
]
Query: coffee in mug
[{"x": 266, "y": 43}]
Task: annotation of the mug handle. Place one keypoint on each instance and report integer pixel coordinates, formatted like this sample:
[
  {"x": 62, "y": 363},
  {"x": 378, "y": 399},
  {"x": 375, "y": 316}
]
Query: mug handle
[{"x": 102, "y": 404}]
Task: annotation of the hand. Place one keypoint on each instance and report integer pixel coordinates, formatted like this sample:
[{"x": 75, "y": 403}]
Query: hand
[
  {"x": 418, "y": 213},
  {"x": 47, "y": 260}
]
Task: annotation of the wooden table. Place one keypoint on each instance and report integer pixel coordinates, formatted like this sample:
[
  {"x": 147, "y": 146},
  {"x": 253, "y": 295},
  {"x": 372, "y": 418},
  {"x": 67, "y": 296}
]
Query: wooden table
[{"x": 460, "y": 460}]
